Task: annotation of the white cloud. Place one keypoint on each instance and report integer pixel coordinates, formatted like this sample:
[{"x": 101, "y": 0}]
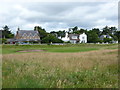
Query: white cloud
[{"x": 56, "y": 16}]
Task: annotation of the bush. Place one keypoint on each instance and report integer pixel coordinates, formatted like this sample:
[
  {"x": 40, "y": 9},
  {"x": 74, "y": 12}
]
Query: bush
[
  {"x": 4, "y": 40},
  {"x": 109, "y": 40},
  {"x": 51, "y": 38}
]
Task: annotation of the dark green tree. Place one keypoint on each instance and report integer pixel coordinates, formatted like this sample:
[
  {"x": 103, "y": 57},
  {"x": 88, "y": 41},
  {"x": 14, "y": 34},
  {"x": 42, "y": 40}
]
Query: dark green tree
[
  {"x": 51, "y": 38},
  {"x": 92, "y": 37},
  {"x": 61, "y": 33},
  {"x": 97, "y": 31},
  {"x": 117, "y": 34},
  {"x": 6, "y": 33},
  {"x": 41, "y": 31},
  {"x": 109, "y": 40},
  {"x": 106, "y": 30},
  {"x": 75, "y": 29},
  {"x": 113, "y": 30},
  {"x": 54, "y": 33}
]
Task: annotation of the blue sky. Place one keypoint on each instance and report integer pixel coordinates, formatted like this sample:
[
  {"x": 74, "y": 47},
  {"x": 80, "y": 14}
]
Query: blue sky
[{"x": 60, "y": 15}]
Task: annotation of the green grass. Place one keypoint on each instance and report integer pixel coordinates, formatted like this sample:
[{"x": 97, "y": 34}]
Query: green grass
[{"x": 6, "y": 49}]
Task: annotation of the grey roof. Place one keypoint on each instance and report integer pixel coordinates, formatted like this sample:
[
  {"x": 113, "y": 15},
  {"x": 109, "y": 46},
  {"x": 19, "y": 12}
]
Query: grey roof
[
  {"x": 21, "y": 40},
  {"x": 105, "y": 36},
  {"x": 70, "y": 36},
  {"x": 21, "y": 32}
]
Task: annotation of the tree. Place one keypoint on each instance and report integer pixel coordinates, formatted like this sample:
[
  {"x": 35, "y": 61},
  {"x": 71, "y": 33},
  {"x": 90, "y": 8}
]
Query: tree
[
  {"x": 6, "y": 33},
  {"x": 54, "y": 33},
  {"x": 92, "y": 37},
  {"x": 51, "y": 38},
  {"x": 117, "y": 34},
  {"x": 97, "y": 31},
  {"x": 61, "y": 33},
  {"x": 113, "y": 30},
  {"x": 83, "y": 31},
  {"x": 75, "y": 29},
  {"x": 109, "y": 40},
  {"x": 4, "y": 40},
  {"x": 106, "y": 30},
  {"x": 41, "y": 31}
]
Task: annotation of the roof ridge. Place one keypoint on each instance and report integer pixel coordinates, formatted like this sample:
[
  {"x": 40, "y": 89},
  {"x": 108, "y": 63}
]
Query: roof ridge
[{"x": 26, "y": 30}]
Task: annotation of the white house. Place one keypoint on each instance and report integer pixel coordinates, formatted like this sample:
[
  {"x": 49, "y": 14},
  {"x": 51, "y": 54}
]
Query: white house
[
  {"x": 83, "y": 38},
  {"x": 75, "y": 38}
]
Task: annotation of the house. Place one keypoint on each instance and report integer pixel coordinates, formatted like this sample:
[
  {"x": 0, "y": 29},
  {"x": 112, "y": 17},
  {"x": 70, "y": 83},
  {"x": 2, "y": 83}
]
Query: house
[
  {"x": 108, "y": 36},
  {"x": 78, "y": 38},
  {"x": 83, "y": 38},
  {"x": 75, "y": 38},
  {"x": 23, "y": 36},
  {"x": 104, "y": 36}
]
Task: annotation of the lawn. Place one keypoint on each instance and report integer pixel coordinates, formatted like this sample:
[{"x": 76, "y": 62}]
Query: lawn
[
  {"x": 57, "y": 48},
  {"x": 60, "y": 66}
]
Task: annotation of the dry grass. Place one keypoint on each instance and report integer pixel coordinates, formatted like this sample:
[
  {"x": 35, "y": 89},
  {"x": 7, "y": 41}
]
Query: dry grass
[
  {"x": 68, "y": 61},
  {"x": 48, "y": 63}
]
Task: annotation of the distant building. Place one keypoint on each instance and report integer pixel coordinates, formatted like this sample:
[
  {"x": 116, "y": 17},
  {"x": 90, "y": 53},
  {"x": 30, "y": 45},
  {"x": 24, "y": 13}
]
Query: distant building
[
  {"x": 25, "y": 36},
  {"x": 75, "y": 38},
  {"x": 104, "y": 36},
  {"x": 108, "y": 36},
  {"x": 78, "y": 38}
]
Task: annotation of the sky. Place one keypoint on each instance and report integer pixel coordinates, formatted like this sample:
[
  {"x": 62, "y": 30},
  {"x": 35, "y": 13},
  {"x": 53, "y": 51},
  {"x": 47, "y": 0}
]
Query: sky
[{"x": 53, "y": 15}]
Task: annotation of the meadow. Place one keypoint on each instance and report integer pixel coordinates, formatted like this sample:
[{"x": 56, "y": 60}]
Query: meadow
[{"x": 60, "y": 66}]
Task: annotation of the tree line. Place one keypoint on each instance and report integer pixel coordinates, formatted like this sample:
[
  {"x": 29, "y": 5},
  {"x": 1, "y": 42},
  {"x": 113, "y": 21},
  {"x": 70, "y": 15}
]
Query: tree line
[{"x": 93, "y": 35}]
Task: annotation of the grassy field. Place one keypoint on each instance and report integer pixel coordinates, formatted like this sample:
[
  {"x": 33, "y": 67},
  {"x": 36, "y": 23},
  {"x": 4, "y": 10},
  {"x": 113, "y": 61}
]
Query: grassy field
[{"x": 60, "y": 66}]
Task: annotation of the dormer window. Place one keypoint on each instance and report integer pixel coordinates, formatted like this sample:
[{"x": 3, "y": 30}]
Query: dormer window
[
  {"x": 30, "y": 36},
  {"x": 24, "y": 36}
]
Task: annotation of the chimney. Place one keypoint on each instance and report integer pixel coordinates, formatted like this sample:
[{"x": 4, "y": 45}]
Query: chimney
[{"x": 36, "y": 28}]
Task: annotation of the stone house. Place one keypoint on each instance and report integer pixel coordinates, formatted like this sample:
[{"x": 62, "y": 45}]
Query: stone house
[{"x": 27, "y": 36}]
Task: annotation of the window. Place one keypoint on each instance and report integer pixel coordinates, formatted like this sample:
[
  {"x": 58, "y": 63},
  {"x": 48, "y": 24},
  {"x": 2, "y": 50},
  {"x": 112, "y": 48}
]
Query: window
[
  {"x": 83, "y": 37},
  {"x": 74, "y": 37}
]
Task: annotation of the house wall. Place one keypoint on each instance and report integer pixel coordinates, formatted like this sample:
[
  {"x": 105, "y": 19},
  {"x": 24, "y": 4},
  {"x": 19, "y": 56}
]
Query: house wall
[
  {"x": 73, "y": 41},
  {"x": 83, "y": 38}
]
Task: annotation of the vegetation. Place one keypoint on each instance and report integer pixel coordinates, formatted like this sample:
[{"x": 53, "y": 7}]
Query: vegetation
[
  {"x": 6, "y": 33},
  {"x": 93, "y": 35},
  {"x": 47, "y": 69},
  {"x": 51, "y": 39},
  {"x": 57, "y": 48}
]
